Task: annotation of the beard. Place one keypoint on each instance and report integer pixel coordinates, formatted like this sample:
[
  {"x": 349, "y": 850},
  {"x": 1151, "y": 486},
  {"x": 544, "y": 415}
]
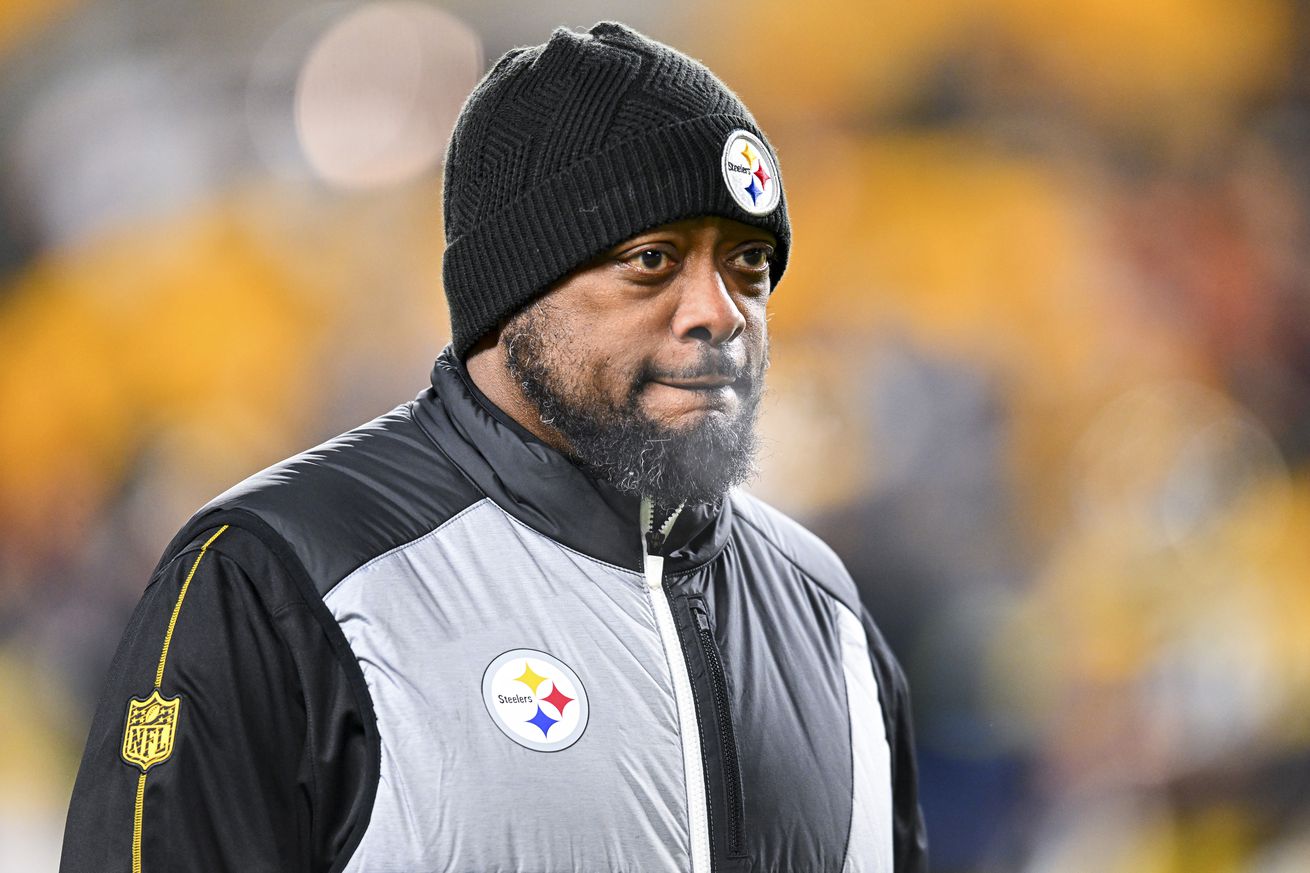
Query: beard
[{"x": 618, "y": 442}]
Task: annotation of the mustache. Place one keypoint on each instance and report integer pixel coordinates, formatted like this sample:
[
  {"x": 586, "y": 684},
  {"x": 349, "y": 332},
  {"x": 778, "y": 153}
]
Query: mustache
[{"x": 713, "y": 363}]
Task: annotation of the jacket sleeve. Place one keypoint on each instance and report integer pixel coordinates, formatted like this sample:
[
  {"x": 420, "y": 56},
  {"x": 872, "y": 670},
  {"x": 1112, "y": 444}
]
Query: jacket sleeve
[
  {"x": 910, "y": 836},
  {"x": 197, "y": 758}
]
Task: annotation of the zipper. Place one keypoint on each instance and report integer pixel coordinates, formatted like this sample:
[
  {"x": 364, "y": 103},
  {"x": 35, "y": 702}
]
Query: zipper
[
  {"x": 652, "y": 538},
  {"x": 723, "y": 718}
]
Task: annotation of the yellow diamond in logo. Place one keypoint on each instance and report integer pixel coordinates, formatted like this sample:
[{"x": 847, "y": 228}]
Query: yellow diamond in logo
[
  {"x": 151, "y": 726},
  {"x": 530, "y": 678},
  {"x": 748, "y": 154}
]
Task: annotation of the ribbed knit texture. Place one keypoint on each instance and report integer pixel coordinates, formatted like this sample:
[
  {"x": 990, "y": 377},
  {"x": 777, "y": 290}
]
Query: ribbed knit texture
[{"x": 567, "y": 149}]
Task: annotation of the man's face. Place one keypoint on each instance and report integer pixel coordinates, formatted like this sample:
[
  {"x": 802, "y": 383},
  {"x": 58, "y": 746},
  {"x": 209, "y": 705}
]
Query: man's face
[{"x": 649, "y": 361}]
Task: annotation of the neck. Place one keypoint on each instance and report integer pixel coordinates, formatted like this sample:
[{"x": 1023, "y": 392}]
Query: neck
[{"x": 489, "y": 371}]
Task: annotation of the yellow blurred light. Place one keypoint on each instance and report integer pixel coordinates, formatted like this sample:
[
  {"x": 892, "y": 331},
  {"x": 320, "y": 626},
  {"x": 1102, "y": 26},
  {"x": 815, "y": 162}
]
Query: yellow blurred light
[
  {"x": 968, "y": 248},
  {"x": 37, "y": 761},
  {"x": 1178, "y": 69},
  {"x": 23, "y": 19},
  {"x": 1167, "y": 63},
  {"x": 1171, "y": 462},
  {"x": 110, "y": 342},
  {"x": 835, "y": 57}
]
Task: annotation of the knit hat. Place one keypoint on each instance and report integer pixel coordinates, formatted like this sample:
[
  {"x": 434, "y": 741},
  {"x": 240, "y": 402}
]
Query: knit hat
[{"x": 569, "y": 148}]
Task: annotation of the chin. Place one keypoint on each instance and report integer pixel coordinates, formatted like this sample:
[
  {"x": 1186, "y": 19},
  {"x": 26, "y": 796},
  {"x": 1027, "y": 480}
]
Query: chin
[
  {"x": 682, "y": 410},
  {"x": 685, "y": 420}
]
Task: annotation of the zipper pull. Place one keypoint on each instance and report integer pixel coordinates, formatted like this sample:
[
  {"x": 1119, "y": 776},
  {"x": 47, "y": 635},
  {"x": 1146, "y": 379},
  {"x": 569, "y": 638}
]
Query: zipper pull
[
  {"x": 655, "y": 571},
  {"x": 699, "y": 614},
  {"x": 654, "y": 539}
]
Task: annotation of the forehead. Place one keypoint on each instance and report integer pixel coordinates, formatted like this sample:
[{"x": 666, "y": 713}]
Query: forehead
[{"x": 711, "y": 227}]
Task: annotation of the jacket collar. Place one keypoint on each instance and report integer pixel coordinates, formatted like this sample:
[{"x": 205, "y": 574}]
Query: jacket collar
[{"x": 545, "y": 490}]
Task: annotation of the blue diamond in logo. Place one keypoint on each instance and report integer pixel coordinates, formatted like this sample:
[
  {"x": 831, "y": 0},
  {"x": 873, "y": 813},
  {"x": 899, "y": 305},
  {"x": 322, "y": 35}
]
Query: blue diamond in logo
[
  {"x": 543, "y": 721},
  {"x": 754, "y": 190}
]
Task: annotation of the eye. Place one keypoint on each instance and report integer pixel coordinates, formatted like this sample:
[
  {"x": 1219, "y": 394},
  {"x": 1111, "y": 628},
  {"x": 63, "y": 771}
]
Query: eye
[
  {"x": 754, "y": 259},
  {"x": 652, "y": 259}
]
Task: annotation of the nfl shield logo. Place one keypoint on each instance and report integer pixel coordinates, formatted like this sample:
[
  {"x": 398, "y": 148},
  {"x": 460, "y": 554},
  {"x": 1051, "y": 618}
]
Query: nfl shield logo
[{"x": 151, "y": 725}]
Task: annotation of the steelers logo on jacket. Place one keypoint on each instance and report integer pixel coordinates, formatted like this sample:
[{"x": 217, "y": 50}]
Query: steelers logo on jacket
[{"x": 535, "y": 699}]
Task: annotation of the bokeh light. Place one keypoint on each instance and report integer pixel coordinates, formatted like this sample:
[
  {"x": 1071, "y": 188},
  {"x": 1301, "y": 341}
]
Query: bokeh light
[{"x": 378, "y": 95}]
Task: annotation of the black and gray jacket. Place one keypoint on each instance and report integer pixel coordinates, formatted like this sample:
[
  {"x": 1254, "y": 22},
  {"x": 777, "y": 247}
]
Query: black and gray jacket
[{"x": 433, "y": 644}]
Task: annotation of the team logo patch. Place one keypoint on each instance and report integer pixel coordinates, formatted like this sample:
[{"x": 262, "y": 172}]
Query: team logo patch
[
  {"x": 535, "y": 699},
  {"x": 151, "y": 726},
  {"x": 750, "y": 173}
]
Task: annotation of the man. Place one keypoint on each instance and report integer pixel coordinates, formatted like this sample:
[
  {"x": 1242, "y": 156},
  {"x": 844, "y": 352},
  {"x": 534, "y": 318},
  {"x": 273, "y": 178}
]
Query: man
[{"x": 524, "y": 622}]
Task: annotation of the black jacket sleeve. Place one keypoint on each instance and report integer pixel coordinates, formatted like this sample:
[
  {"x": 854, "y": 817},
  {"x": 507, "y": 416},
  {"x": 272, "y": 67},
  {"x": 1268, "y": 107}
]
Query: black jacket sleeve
[
  {"x": 226, "y": 738},
  {"x": 910, "y": 836}
]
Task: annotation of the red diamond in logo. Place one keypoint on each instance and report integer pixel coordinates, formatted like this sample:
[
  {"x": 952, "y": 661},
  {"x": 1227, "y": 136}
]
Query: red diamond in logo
[
  {"x": 558, "y": 699},
  {"x": 761, "y": 175}
]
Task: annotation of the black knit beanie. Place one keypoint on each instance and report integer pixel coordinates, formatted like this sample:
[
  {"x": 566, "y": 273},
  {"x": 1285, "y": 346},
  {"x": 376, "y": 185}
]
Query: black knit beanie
[{"x": 569, "y": 148}]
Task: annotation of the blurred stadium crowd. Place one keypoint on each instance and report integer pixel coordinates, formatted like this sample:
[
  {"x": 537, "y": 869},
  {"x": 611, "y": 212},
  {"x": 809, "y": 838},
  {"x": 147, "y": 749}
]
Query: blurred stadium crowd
[{"x": 1041, "y": 362}]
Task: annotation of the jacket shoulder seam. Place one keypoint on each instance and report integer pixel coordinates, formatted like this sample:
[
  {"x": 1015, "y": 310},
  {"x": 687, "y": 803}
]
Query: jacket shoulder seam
[
  {"x": 592, "y": 558},
  {"x": 809, "y": 576},
  {"x": 404, "y": 546}
]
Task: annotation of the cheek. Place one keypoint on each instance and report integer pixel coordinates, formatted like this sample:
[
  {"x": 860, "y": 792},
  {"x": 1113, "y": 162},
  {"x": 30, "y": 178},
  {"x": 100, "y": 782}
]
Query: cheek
[
  {"x": 628, "y": 352},
  {"x": 757, "y": 325},
  {"x": 608, "y": 374}
]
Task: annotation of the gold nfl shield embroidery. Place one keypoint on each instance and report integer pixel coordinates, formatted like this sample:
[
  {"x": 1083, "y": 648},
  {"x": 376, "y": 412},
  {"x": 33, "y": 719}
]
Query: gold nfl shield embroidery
[{"x": 151, "y": 726}]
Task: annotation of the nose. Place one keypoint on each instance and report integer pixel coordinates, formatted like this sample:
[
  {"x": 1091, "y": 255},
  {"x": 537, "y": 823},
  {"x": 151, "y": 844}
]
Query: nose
[{"x": 706, "y": 311}]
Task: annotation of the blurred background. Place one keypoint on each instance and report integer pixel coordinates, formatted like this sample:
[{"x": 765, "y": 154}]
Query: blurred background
[{"x": 1041, "y": 362}]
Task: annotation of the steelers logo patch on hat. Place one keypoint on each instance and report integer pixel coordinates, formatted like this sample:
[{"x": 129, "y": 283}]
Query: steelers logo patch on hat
[
  {"x": 750, "y": 173},
  {"x": 535, "y": 699}
]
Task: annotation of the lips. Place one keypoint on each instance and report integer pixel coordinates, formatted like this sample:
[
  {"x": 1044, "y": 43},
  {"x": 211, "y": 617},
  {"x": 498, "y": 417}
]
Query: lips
[{"x": 702, "y": 383}]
